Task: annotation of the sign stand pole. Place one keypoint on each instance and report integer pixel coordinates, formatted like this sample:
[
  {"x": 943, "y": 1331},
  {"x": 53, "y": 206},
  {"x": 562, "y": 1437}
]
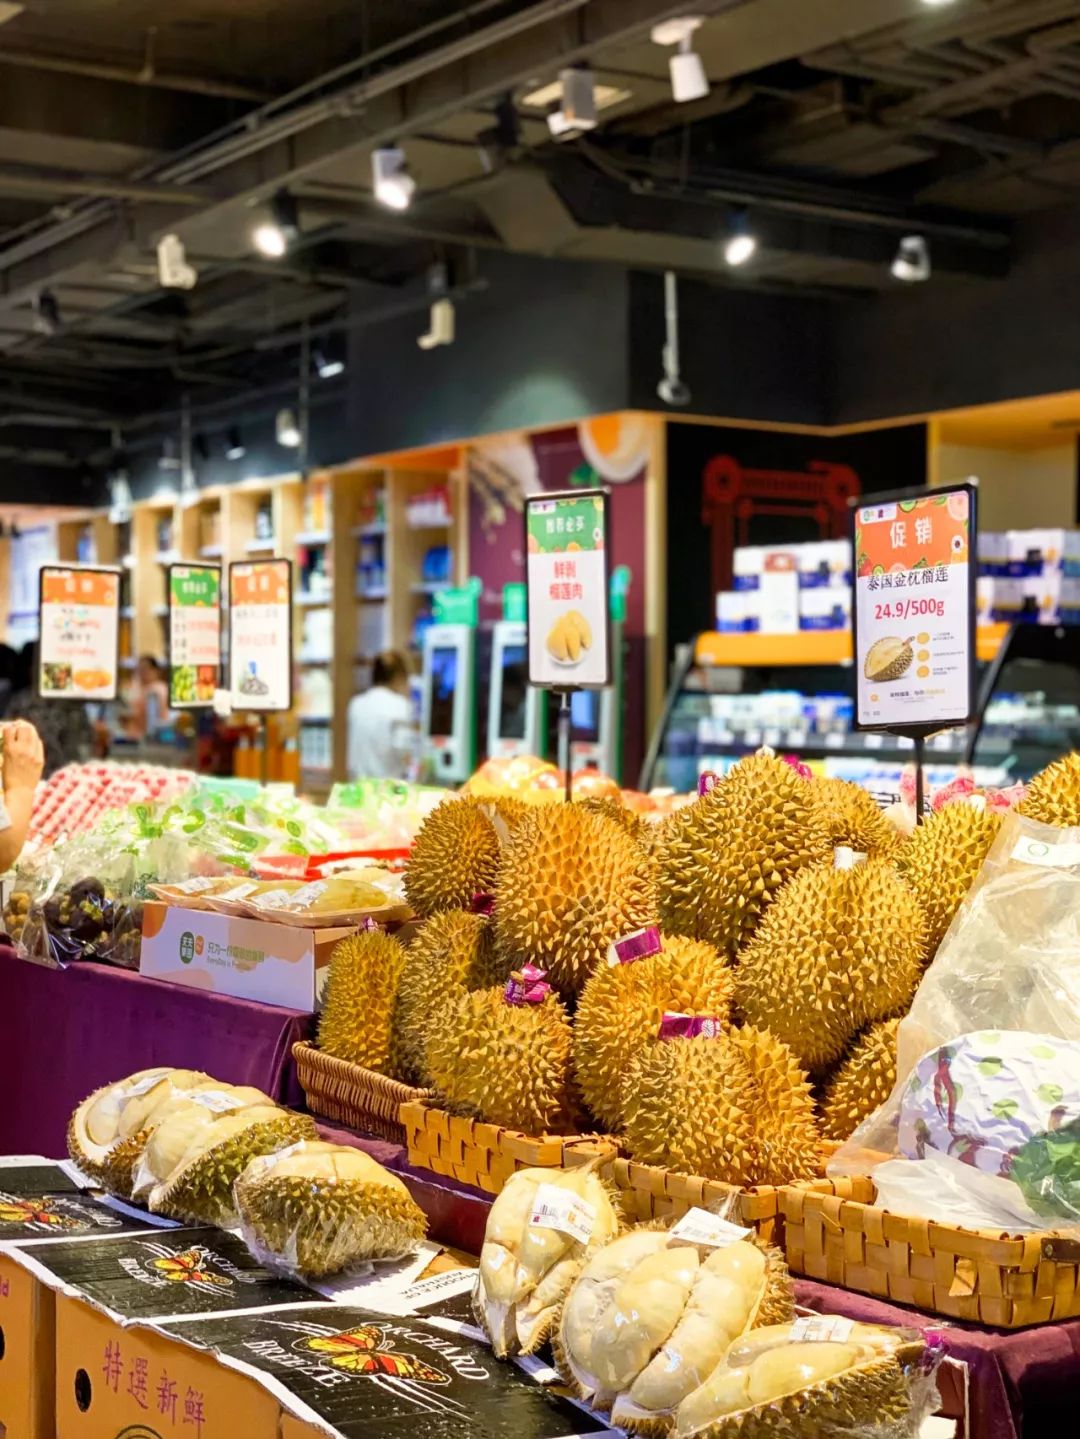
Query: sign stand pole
[
  {"x": 920, "y": 759},
  {"x": 264, "y": 750},
  {"x": 564, "y": 740}
]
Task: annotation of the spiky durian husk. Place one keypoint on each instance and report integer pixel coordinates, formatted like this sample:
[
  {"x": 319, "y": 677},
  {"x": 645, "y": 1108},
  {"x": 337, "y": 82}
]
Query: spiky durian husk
[
  {"x": 570, "y": 884},
  {"x": 855, "y": 819},
  {"x": 1053, "y": 796},
  {"x": 688, "y": 1105},
  {"x": 201, "y": 1190},
  {"x": 118, "y": 1171},
  {"x": 723, "y": 859},
  {"x": 455, "y": 856},
  {"x": 77, "y": 1152},
  {"x": 615, "y": 810},
  {"x": 506, "y": 1064},
  {"x": 452, "y": 953},
  {"x": 942, "y": 858},
  {"x": 620, "y": 1010},
  {"x": 862, "y": 1081},
  {"x": 357, "y": 1021},
  {"x": 784, "y": 1119},
  {"x": 777, "y": 1302},
  {"x": 838, "y": 949}
]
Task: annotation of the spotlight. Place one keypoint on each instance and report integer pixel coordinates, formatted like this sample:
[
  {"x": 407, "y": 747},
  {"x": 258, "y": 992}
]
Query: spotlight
[
  {"x": 937, "y": 4},
  {"x": 442, "y": 327},
  {"x": 741, "y": 243},
  {"x": 912, "y": 261},
  {"x": 328, "y": 367},
  {"x": 276, "y": 233},
  {"x": 394, "y": 187},
  {"x": 235, "y": 449},
  {"x": 287, "y": 429},
  {"x": 174, "y": 272},
  {"x": 46, "y": 313},
  {"x": 688, "y": 78},
  {"x": 577, "y": 110}
]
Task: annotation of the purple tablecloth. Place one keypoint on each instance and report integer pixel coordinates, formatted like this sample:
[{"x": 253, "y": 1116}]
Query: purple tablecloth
[{"x": 63, "y": 1033}]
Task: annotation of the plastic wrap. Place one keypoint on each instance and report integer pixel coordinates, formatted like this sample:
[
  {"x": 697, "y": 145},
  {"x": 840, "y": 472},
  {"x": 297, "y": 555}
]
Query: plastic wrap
[{"x": 983, "y": 1125}]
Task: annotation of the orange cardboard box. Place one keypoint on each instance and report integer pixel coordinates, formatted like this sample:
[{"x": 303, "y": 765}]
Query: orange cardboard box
[{"x": 27, "y": 1354}]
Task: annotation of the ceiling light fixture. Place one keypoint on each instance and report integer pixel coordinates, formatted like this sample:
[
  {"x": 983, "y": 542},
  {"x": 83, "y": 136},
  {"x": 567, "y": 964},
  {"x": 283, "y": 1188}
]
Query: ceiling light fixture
[
  {"x": 174, "y": 272},
  {"x": 235, "y": 449},
  {"x": 442, "y": 327},
  {"x": 328, "y": 367},
  {"x": 741, "y": 243},
  {"x": 911, "y": 263},
  {"x": 577, "y": 106},
  {"x": 394, "y": 187},
  {"x": 688, "y": 78},
  {"x": 276, "y": 233},
  {"x": 170, "y": 454},
  {"x": 46, "y": 313},
  {"x": 287, "y": 430},
  {"x": 937, "y": 4}
]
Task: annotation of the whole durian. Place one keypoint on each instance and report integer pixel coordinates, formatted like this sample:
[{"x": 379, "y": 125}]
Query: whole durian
[
  {"x": 357, "y": 1020},
  {"x": 841, "y": 947},
  {"x": 616, "y": 811},
  {"x": 785, "y": 1124},
  {"x": 855, "y": 819},
  {"x": 526, "y": 1269},
  {"x": 620, "y": 1010},
  {"x": 861, "y": 1082},
  {"x": 722, "y": 860},
  {"x": 317, "y": 1209},
  {"x": 508, "y": 1064},
  {"x": 455, "y": 856},
  {"x": 451, "y": 954},
  {"x": 570, "y": 883},
  {"x": 647, "y": 1320},
  {"x": 1053, "y": 796},
  {"x": 689, "y": 1105},
  {"x": 942, "y": 858}
]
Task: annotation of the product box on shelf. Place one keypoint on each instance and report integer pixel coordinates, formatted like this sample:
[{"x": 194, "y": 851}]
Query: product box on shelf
[
  {"x": 731, "y": 612},
  {"x": 825, "y": 608},
  {"x": 247, "y": 958}
]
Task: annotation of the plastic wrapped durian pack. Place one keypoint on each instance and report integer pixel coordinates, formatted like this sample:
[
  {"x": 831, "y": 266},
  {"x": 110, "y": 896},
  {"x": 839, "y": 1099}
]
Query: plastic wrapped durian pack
[{"x": 982, "y": 1127}]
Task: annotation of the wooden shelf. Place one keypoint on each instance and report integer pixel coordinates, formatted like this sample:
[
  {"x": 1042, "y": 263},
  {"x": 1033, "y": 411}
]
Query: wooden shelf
[
  {"x": 368, "y": 532},
  {"x": 259, "y": 547},
  {"x": 312, "y": 538},
  {"x": 808, "y": 647}
]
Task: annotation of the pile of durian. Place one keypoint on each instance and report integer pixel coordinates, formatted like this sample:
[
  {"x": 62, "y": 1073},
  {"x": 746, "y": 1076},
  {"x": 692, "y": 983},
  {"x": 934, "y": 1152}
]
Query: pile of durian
[{"x": 784, "y": 914}]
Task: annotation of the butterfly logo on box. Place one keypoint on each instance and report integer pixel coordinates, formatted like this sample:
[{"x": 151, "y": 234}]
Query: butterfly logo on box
[
  {"x": 192, "y": 1268},
  {"x": 368, "y": 1350},
  {"x": 48, "y": 1215}
]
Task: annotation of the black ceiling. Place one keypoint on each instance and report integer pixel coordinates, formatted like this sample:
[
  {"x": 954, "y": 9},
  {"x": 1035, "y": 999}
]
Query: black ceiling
[{"x": 839, "y": 125}]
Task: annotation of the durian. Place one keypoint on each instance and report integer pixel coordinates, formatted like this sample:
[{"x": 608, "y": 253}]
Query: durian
[
  {"x": 94, "y": 1128},
  {"x": 526, "y": 1270},
  {"x": 455, "y": 856},
  {"x": 839, "y": 948},
  {"x": 616, "y": 811},
  {"x": 942, "y": 858},
  {"x": 452, "y": 953},
  {"x": 1053, "y": 796},
  {"x": 855, "y": 819},
  {"x": 200, "y": 1188},
  {"x": 862, "y": 1081},
  {"x": 784, "y": 1121},
  {"x": 357, "y": 1020},
  {"x": 689, "y": 1105},
  {"x": 620, "y": 1010},
  {"x": 649, "y": 1318},
  {"x": 508, "y": 1064},
  {"x": 888, "y": 659},
  {"x": 179, "y": 1122},
  {"x": 769, "y": 1385},
  {"x": 722, "y": 860},
  {"x": 316, "y": 1209},
  {"x": 570, "y": 883}
]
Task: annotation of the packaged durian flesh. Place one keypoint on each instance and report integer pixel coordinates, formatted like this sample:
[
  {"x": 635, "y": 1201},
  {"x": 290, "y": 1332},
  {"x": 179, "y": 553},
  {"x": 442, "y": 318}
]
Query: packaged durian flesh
[
  {"x": 651, "y": 1316},
  {"x": 109, "y": 1128},
  {"x": 543, "y": 1227},
  {"x": 823, "y": 1376},
  {"x": 317, "y": 1209},
  {"x": 340, "y": 899}
]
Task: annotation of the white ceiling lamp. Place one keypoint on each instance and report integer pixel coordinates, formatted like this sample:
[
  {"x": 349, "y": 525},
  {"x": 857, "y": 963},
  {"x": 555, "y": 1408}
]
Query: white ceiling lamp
[
  {"x": 937, "y": 4},
  {"x": 280, "y": 228},
  {"x": 174, "y": 272},
  {"x": 442, "y": 327},
  {"x": 911, "y": 264},
  {"x": 577, "y": 107},
  {"x": 287, "y": 429},
  {"x": 741, "y": 244},
  {"x": 328, "y": 367},
  {"x": 235, "y": 449},
  {"x": 394, "y": 187},
  {"x": 688, "y": 78}
]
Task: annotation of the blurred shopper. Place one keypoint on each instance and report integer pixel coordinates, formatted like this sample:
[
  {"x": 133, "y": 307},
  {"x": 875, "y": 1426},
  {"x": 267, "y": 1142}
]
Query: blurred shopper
[
  {"x": 63, "y": 725},
  {"x": 148, "y": 704},
  {"x": 20, "y": 772},
  {"x": 380, "y": 722}
]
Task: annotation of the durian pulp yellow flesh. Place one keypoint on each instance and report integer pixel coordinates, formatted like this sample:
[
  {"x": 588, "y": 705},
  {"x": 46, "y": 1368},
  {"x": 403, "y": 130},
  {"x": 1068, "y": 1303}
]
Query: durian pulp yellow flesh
[
  {"x": 137, "y": 1113},
  {"x": 101, "y": 1116},
  {"x": 177, "y": 1121},
  {"x": 338, "y": 1163},
  {"x": 591, "y": 1297},
  {"x": 645, "y": 1307},
  {"x": 224, "y": 1127}
]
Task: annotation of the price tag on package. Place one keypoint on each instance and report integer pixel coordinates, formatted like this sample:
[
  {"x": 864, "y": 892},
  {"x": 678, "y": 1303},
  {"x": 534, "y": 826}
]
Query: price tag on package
[
  {"x": 240, "y": 891},
  {"x": 698, "y": 1226},
  {"x": 217, "y": 1101},
  {"x": 821, "y": 1329},
  {"x": 562, "y": 1210}
]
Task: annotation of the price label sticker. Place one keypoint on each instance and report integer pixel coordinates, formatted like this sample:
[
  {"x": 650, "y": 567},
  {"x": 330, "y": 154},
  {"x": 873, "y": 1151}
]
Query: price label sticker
[
  {"x": 240, "y": 891},
  {"x": 564, "y": 1211},
  {"x": 218, "y": 1101},
  {"x": 145, "y": 1084},
  {"x": 1047, "y": 856},
  {"x": 306, "y": 896},
  {"x": 276, "y": 898},
  {"x": 821, "y": 1329},
  {"x": 199, "y": 885},
  {"x": 698, "y": 1226}
]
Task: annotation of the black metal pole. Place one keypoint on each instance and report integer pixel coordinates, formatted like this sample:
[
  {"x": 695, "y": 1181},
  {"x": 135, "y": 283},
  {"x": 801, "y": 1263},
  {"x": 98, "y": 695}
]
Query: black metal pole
[{"x": 564, "y": 740}]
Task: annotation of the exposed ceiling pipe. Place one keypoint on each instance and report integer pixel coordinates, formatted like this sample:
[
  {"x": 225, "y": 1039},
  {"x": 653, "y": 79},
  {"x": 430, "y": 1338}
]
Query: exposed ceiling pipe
[
  {"x": 17, "y": 179},
  {"x": 97, "y": 70}
]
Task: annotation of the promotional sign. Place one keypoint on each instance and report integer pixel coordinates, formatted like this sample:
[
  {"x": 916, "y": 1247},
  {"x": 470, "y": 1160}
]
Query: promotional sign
[
  {"x": 79, "y": 619},
  {"x": 194, "y": 635},
  {"x": 566, "y": 542},
  {"x": 260, "y": 638},
  {"x": 915, "y": 609}
]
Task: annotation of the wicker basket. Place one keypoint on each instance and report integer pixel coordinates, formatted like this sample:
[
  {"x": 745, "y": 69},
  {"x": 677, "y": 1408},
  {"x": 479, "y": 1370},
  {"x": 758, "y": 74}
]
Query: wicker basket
[
  {"x": 485, "y": 1155},
  {"x": 835, "y": 1233},
  {"x": 351, "y": 1095}
]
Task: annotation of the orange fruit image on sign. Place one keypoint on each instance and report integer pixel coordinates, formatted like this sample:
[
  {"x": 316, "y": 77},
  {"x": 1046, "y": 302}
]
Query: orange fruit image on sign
[
  {"x": 912, "y": 534},
  {"x": 91, "y": 679}
]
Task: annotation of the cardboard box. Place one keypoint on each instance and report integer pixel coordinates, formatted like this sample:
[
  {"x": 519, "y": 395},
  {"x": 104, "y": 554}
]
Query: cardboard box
[{"x": 248, "y": 958}]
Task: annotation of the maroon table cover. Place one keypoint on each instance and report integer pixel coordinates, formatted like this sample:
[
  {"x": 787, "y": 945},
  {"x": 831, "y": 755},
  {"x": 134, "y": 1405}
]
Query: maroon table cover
[{"x": 64, "y": 1033}]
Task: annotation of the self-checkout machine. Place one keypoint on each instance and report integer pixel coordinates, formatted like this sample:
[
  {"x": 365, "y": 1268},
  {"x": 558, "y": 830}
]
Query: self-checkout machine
[
  {"x": 567, "y": 572},
  {"x": 517, "y": 710},
  {"x": 448, "y": 686}
]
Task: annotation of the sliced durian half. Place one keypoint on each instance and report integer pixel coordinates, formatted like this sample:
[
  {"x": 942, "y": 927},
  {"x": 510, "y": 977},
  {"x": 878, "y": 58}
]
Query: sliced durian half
[
  {"x": 177, "y": 1123},
  {"x": 94, "y": 1128}
]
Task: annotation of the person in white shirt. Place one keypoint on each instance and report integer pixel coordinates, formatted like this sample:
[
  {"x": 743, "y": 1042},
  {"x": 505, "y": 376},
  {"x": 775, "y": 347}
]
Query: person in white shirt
[{"x": 380, "y": 722}]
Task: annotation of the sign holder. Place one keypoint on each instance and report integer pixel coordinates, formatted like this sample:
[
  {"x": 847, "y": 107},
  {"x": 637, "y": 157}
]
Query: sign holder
[
  {"x": 587, "y": 513},
  {"x": 907, "y": 507},
  {"x": 264, "y": 742},
  {"x": 201, "y": 568},
  {"x": 44, "y": 692}
]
